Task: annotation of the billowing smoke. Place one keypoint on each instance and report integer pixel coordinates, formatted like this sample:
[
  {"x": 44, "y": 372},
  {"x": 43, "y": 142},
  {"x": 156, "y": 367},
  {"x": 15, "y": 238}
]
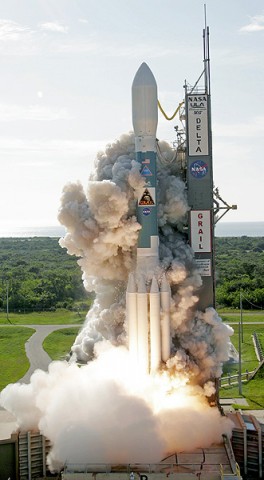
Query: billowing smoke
[
  {"x": 103, "y": 231},
  {"x": 105, "y": 411}
]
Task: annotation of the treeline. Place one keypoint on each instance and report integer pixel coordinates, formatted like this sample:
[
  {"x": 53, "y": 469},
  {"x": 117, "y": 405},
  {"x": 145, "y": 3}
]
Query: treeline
[
  {"x": 240, "y": 268},
  {"x": 37, "y": 274}
]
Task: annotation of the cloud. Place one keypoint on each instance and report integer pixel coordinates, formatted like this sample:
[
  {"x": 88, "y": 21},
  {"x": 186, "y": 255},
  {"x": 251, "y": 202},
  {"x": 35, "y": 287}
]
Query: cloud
[
  {"x": 20, "y": 40},
  {"x": 12, "y": 31},
  {"x": 256, "y": 24},
  {"x": 56, "y": 27},
  {"x": 11, "y": 113},
  {"x": 17, "y": 39}
]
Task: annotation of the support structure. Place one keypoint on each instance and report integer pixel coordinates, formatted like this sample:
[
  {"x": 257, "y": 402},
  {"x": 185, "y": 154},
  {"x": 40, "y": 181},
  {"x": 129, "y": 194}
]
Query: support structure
[{"x": 199, "y": 178}]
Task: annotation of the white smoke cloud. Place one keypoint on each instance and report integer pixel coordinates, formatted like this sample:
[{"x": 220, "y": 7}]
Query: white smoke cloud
[
  {"x": 105, "y": 411},
  {"x": 97, "y": 413},
  {"x": 103, "y": 230}
]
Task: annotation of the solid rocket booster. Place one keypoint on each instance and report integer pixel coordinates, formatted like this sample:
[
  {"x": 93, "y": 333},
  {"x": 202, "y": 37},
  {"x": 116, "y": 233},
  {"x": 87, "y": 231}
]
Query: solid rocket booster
[
  {"x": 145, "y": 121},
  {"x": 147, "y": 303},
  {"x": 148, "y": 319}
]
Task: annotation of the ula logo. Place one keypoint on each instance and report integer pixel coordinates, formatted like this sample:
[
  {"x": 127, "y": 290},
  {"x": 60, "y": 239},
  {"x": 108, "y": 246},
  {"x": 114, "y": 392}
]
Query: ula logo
[{"x": 199, "y": 169}]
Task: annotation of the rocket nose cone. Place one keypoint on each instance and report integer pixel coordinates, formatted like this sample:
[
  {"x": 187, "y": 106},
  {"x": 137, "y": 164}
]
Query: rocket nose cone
[
  {"x": 154, "y": 286},
  {"x": 141, "y": 285},
  {"x": 144, "y": 76},
  {"x": 131, "y": 285},
  {"x": 165, "y": 287},
  {"x": 144, "y": 102}
]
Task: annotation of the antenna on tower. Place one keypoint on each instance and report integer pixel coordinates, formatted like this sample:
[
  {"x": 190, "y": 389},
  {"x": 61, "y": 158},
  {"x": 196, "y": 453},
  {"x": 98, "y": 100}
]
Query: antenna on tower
[{"x": 206, "y": 60}]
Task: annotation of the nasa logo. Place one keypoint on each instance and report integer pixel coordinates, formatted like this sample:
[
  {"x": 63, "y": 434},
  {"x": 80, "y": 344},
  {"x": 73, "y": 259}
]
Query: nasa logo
[
  {"x": 199, "y": 169},
  {"x": 146, "y": 211}
]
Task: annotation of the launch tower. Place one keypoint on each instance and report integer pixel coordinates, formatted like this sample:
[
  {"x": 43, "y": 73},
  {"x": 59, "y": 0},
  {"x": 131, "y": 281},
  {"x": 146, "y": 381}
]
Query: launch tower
[{"x": 199, "y": 178}]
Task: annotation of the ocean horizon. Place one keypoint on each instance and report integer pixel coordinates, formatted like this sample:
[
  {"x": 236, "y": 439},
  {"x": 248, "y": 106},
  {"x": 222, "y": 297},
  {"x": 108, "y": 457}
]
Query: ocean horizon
[
  {"x": 29, "y": 232},
  {"x": 222, "y": 229}
]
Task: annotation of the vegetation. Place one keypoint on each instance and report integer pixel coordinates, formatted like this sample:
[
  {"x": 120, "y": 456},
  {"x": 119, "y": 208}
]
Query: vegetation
[
  {"x": 253, "y": 389},
  {"x": 240, "y": 268},
  {"x": 59, "y": 317},
  {"x": 37, "y": 274},
  {"x": 14, "y": 362},
  {"x": 249, "y": 358},
  {"x": 247, "y": 317},
  {"x": 58, "y": 344}
]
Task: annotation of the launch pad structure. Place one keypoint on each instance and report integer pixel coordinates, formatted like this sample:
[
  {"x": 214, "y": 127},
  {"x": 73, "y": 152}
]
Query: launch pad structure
[
  {"x": 199, "y": 177},
  {"x": 194, "y": 146},
  {"x": 27, "y": 452},
  {"x": 194, "y": 150}
]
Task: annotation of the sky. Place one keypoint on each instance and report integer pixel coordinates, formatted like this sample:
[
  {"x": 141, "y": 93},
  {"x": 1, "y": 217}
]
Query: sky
[{"x": 66, "y": 72}]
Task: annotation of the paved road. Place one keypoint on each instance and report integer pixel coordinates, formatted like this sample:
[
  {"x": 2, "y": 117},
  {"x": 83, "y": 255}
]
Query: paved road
[{"x": 37, "y": 356}]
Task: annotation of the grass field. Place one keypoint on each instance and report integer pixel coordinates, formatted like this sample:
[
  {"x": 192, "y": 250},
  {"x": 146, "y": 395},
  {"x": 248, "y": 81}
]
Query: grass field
[
  {"x": 249, "y": 357},
  {"x": 252, "y": 390},
  {"x": 247, "y": 317},
  {"x": 14, "y": 362},
  {"x": 59, "y": 317},
  {"x": 58, "y": 344}
]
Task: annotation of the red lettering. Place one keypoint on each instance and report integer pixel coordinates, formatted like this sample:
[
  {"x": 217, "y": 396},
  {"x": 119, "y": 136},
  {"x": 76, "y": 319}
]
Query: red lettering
[{"x": 200, "y": 223}]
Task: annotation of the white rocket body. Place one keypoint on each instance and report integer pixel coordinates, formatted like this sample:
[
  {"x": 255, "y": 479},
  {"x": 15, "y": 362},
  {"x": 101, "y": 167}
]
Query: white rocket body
[{"x": 147, "y": 303}]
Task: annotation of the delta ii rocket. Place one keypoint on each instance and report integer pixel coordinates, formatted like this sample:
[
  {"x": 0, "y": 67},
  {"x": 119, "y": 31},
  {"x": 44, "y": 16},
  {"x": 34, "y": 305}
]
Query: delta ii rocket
[{"x": 147, "y": 302}]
